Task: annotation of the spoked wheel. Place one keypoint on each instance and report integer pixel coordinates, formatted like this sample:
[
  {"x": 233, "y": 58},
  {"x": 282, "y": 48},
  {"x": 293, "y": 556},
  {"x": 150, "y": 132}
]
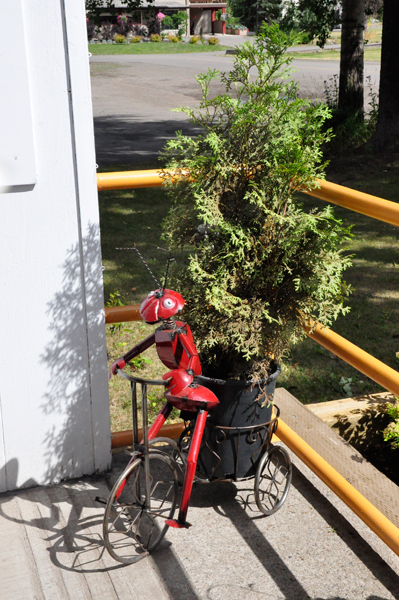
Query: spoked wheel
[
  {"x": 132, "y": 526},
  {"x": 171, "y": 448},
  {"x": 273, "y": 480}
]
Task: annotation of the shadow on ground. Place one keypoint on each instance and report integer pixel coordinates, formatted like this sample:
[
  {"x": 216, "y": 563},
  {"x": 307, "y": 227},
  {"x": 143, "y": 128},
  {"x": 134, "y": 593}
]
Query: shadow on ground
[
  {"x": 68, "y": 522},
  {"x": 131, "y": 141}
]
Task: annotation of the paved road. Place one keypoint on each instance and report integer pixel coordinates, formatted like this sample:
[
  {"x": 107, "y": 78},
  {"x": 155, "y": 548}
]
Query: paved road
[{"x": 133, "y": 97}]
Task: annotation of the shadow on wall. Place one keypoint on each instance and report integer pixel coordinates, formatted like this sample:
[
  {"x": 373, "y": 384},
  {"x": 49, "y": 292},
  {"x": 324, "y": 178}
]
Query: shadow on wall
[
  {"x": 74, "y": 311},
  {"x": 9, "y": 473}
]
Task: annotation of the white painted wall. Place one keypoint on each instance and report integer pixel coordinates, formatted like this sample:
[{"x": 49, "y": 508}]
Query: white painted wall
[{"x": 54, "y": 412}]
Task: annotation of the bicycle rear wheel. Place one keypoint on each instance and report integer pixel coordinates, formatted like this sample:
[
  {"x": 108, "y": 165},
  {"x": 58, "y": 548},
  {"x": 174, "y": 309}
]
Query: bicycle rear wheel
[
  {"x": 133, "y": 528},
  {"x": 273, "y": 480}
]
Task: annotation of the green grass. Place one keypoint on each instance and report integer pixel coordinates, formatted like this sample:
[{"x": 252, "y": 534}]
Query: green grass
[
  {"x": 154, "y": 48},
  {"x": 312, "y": 374},
  {"x": 372, "y": 54},
  {"x": 131, "y": 217}
]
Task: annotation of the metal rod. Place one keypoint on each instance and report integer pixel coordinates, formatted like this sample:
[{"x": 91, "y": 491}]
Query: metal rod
[
  {"x": 144, "y": 413},
  {"x": 122, "y": 314},
  {"x": 135, "y": 431},
  {"x": 358, "y": 358},
  {"x": 365, "y": 204}
]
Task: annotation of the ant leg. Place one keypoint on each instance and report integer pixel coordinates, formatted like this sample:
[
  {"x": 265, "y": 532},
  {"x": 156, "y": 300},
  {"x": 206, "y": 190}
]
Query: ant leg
[
  {"x": 190, "y": 471},
  {"x": 160, "y": 420}
]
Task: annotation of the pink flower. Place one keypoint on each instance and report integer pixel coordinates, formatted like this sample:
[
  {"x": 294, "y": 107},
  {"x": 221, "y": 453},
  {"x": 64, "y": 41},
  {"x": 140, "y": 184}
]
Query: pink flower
[{"x": 160, "y": 16}]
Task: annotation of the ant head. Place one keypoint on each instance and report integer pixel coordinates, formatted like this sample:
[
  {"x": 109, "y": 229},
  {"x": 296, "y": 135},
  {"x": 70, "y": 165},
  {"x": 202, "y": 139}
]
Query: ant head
[{"x": 161, "y": 304}]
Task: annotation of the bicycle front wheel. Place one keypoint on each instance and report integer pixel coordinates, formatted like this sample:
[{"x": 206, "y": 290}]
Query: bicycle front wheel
[{"x": 133, "y": 526}]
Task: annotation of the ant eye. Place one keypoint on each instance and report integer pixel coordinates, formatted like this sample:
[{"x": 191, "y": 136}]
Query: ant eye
[
  {"x": 168, "y": 303},
  {"x": 151, "y": 294}
]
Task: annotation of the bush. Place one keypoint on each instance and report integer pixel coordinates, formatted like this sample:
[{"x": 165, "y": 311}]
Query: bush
[
  {"x": 119, "y": 39},
  {"x": 106, "y": 31},
  {"x": 91, "y": 29},
  {"x": 139, "y": 30},
  {"x": 180, "y": 20},
  {"x": 135, "y": 39},
  {"x": 154, "y": 24},
  {"x": 168, "y": 23},
  {"x": 351, "y": 130},
  {"x": 172, "y": 38},
  {"x": 391, "y": 433},
  {"x": 155, "y": 37},
  {"x": 258, "y": 264},
  {"x": 304, "y": 37},
  {"x": 195, "y": 39},
  {"x": 213, "y": 41},
  {"x": 123, "y": 25}
]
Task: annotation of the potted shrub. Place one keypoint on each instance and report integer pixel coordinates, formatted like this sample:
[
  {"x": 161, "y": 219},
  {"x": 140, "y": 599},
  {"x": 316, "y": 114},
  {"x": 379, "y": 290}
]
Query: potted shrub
[{"x": 258, "y": 264}]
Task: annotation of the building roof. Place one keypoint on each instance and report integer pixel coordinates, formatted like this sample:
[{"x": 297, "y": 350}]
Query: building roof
[{"x": 179, "y": 4}]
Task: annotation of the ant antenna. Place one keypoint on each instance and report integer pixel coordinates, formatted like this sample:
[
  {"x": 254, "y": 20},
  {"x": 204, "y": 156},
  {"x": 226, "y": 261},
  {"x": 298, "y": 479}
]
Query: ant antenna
[
  {"x": 170, "y": 259},
  {"x": 151, "y": 273}
]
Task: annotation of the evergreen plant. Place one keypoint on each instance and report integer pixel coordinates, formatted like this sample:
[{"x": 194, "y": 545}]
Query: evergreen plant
[{"x": 258, "y": 263}]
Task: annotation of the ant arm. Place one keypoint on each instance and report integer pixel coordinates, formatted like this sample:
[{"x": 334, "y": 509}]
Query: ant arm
[
  {"x": 120, "y": 363},
  {"x": 191, "y": 351}
]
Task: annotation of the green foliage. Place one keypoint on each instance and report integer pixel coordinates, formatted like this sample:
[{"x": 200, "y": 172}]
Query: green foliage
[
  {"x": 176, "y": 21},
  {"x": 259, "y": 263},
  {"x": 155, "y": 37},
  {"x": 194, "y": 39},
  {"x": 139, "y": 362},
  {"x": 172, "y": 38},
  {"x": 391, "y": 433},
  {"x": 213, "y": 41},
  {"x": 167, "y": 22},
  {"x": 116, "y": 299},
  {"x": 119, "y": 39},
  {"x": 316, "y": 17},
  {"x": 179, "y": 19},
  {"x": 253, "y": 13},
  {"x": 135, "y": 39},
  {"x": 351, "y": 129},
  {"x": 233, "y": 23}
]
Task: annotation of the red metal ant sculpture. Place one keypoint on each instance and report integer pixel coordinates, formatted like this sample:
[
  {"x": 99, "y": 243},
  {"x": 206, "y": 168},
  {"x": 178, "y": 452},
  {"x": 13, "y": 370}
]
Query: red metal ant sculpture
[{"x": 176, "y": 349}]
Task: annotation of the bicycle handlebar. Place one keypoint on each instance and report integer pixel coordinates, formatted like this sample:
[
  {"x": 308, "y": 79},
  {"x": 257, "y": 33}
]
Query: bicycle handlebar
[{"x": 140, "y": 379}]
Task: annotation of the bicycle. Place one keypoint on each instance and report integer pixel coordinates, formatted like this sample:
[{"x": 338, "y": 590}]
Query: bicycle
[{"x": 145, "y": 495}]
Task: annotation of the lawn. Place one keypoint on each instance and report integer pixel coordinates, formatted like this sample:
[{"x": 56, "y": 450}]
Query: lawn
[
  {"x": 154, "y": 48},
  {"x": 312, "y": 373},
  {"x": 372, "y": 54}
]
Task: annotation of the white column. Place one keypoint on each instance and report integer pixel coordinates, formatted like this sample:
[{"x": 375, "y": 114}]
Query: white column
[{"x": 54, "y": 412}]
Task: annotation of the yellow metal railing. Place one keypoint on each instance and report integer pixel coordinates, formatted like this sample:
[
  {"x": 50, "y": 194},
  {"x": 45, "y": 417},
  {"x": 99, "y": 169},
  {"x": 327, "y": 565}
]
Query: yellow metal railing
[{"x": 371, "y": 206}]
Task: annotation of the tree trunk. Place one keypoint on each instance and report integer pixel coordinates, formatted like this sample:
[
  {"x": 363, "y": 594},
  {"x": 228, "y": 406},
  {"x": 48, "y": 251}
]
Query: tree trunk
[
  {"x": 386, "y": 136},
  {"x": 351, "y": 95}
]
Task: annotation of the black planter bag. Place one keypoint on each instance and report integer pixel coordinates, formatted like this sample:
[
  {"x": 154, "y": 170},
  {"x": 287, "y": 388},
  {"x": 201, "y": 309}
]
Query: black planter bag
[{"x": 235, "y": 431}]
